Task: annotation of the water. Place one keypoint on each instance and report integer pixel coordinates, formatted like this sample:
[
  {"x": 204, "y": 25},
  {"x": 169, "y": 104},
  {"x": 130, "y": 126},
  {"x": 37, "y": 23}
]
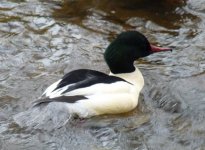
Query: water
[{"x": 42, "y": 40}]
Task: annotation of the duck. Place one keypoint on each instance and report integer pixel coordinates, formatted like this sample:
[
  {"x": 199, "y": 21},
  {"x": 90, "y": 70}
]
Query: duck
[{"x": 87, "y": 93}]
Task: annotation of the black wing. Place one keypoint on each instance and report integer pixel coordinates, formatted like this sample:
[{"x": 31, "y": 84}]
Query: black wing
[
  {"x": 70, "y": 99},
  {"x": 83, "y": 78},
  {"x": 79, "y": 75}
]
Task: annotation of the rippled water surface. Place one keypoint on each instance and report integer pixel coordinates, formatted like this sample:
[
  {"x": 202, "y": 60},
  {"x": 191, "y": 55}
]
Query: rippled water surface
[{"x": 42, "y": 40}]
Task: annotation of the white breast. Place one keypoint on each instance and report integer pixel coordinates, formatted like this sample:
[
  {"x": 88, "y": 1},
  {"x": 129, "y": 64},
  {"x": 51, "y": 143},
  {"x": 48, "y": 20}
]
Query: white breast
[{"x": 114, "y": 99}]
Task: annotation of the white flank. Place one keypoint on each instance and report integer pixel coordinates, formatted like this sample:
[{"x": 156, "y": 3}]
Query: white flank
[
  {"x": 112, "y": 103},
  {"x": 109, "y": 99},
  {"x": 118, "y": 97}
]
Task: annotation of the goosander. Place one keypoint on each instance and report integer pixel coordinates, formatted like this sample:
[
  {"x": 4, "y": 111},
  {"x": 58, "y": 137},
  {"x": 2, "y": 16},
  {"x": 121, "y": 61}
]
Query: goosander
[{"x": 88, "y": 93}]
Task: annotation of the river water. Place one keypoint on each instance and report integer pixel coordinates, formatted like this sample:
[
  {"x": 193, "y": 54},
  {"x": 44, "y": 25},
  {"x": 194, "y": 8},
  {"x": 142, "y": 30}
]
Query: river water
[{"x": 42, "y": 40}]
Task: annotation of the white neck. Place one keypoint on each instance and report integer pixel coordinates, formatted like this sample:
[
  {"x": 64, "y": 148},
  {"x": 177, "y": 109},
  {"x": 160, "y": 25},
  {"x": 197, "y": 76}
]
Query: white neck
[{"x": 135, "y": 78}]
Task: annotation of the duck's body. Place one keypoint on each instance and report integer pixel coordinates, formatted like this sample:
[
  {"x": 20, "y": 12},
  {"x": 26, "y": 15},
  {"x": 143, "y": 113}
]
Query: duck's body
[{"x": 89, "y": 93}]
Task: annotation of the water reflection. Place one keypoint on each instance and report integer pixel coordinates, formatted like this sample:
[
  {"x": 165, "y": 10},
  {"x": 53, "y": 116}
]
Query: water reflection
[
  {"x": 165, "y": 13},
  {"x": 41, "y": 40}
]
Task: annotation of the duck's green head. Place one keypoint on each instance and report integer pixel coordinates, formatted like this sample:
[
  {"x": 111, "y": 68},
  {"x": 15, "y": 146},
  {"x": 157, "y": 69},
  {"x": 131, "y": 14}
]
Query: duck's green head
[{"x": 126, "y": 48}]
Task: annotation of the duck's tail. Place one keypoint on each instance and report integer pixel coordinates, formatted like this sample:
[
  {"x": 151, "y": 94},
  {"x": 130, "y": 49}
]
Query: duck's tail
[{"x": 44, "y": 116}]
